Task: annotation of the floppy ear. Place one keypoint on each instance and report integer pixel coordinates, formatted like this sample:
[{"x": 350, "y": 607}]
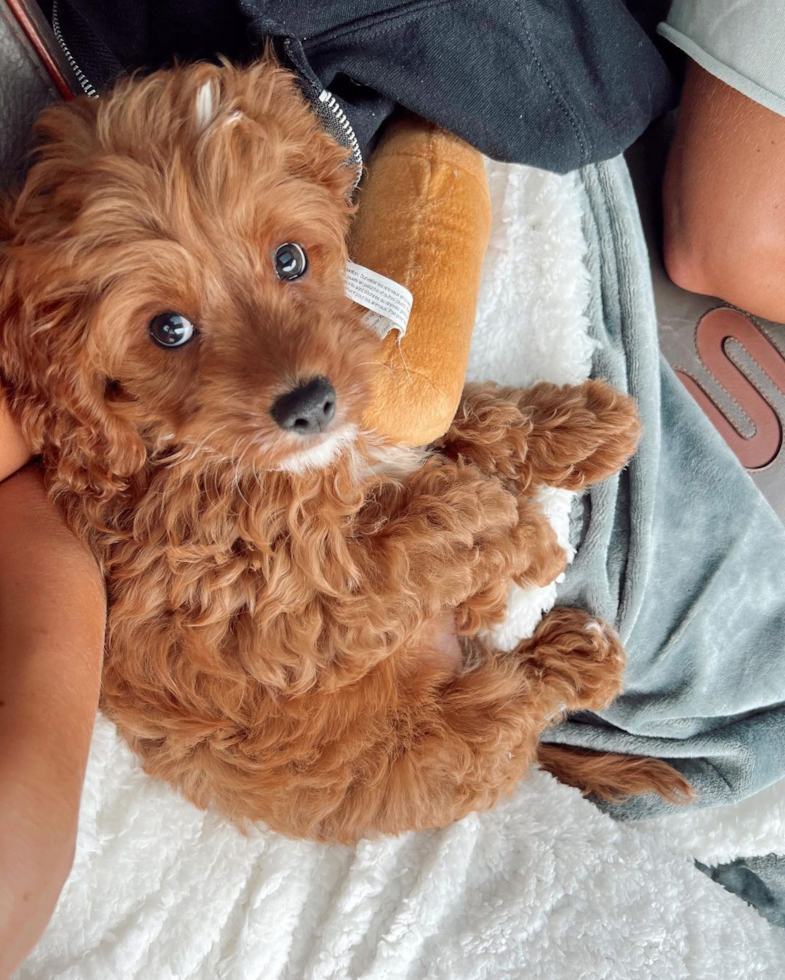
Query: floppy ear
[{"x": 54, "y": 391}]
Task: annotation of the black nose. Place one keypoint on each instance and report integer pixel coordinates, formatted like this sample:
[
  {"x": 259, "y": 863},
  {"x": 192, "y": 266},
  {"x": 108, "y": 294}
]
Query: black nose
[{"x": 307, "y": 409}]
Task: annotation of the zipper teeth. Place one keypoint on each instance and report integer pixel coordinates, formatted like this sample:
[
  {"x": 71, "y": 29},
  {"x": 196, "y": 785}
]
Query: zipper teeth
[
  {"x": 357, "y": 158},
  {"x": 329, "y": 100},
  {"x": 324, "y": 96},
  {"x": 83, "y": 80}
]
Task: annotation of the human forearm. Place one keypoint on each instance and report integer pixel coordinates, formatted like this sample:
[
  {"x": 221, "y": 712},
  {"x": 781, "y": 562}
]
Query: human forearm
[
  {"x": 14, "y": 452},
  {"x": 52, "y": 614},
  {"x": 724, "y": 198}
]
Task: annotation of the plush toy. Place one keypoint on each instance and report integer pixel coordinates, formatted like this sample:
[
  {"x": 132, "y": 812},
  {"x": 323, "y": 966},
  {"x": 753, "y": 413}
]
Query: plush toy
[{"x": 423, "y": 221}]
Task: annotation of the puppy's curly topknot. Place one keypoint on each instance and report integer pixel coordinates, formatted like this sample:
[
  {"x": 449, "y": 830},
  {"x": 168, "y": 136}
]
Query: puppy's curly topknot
[{"x": 290, "y": 644}]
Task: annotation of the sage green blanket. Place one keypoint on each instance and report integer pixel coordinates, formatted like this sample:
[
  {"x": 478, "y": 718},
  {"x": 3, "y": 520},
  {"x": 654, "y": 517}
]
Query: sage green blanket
[{"x": 681, "y": 551}]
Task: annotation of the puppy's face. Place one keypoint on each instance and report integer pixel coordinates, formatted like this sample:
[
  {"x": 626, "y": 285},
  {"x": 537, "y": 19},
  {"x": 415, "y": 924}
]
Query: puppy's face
[{"x": 175, "y": 274}]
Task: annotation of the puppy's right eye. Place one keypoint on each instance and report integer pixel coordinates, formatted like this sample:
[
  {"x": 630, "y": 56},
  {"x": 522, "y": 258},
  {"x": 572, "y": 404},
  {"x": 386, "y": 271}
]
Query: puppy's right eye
[
  {"x": 171, "y": 329},
  {"x": 290, "y": 261}
]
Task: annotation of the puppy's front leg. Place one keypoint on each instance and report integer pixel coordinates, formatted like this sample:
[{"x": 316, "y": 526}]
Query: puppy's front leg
[
  {"x": 432, "y": 539},
  {"x": 451, "y": 538},
  {"x": 570, "y": 436}
]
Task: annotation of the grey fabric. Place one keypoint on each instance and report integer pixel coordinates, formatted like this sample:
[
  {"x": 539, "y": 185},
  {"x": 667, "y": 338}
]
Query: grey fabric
[
  {"x": 29, "y": 78},
  {"x": 25, "y": 88},
  {"x": 760, "y": 881},
  {"x": 739, "y": 43},
  {"x": 681, "y": 551}
]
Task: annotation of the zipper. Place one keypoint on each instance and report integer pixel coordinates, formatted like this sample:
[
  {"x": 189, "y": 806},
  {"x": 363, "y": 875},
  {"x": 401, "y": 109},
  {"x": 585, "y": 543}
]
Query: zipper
[
  {"x": 83, "y": 80},
  {"x": 327, "y": 108},
  {"x": 349, "y": 136},
  {"x": 342, "y": 128}
]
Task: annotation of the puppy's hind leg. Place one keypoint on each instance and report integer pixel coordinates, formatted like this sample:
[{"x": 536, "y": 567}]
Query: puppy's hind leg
[
  {"x": 612, "y": 776},
  {"x": 575, "y": 660},
  {"x": 588, "y": 675},
  {"x": 445, "y": 744}
]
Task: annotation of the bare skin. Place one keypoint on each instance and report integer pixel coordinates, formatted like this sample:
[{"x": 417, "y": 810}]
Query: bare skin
[
  {"x": 14, "y": 452},
  {"x": 724, "y": 198},
  {"x": 52, "y": 617}
]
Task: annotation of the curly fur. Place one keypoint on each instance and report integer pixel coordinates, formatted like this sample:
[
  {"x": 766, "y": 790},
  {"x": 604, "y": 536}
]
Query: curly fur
[{"x": 294, "y": 630}]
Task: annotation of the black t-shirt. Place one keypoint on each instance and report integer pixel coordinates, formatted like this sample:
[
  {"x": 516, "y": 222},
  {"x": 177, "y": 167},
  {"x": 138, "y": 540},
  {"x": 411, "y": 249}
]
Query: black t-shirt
[{"x": 552, "y": 83}]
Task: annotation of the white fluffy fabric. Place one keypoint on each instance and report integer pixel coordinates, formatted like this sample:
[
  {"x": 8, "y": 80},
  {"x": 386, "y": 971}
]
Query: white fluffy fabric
[
  {"x": 531, "y": 324},
  {"x": 545, "y": 887},
  {"x": 754, "y": 827}
]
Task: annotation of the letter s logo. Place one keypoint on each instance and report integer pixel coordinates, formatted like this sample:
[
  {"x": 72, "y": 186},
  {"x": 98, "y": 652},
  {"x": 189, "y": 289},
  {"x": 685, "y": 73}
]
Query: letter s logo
[{"x": 713, "y": 330}]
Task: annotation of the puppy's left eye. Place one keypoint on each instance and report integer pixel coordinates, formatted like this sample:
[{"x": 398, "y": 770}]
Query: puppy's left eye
[
  {"x": 290, "y": 261},
  {"x": 171, "y": 329}
]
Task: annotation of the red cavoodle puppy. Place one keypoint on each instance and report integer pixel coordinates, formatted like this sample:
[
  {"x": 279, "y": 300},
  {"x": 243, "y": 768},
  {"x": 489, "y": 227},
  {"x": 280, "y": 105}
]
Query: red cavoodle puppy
[{"x": 296, "y": 606}]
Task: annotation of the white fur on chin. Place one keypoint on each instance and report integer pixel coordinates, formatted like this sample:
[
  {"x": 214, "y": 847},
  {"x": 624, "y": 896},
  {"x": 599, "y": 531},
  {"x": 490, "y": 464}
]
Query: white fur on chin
[
  {"x": 383, "y": 458},
  {"x": 322, "y": 454}
]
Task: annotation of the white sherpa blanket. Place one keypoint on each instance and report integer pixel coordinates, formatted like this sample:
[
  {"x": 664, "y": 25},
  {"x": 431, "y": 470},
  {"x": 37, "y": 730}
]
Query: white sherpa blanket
[{"x": 545, "y": 886}]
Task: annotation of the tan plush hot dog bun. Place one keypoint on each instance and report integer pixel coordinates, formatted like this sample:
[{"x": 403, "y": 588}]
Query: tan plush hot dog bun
[{"x": 423, "y": 220}]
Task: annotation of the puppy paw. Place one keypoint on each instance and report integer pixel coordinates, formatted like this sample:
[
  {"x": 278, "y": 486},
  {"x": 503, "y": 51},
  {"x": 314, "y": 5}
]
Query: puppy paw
[
  {"x": 578, "y": 658},
  {"x": 603, "y": 432},
  {"x": 478, "y": 506}
]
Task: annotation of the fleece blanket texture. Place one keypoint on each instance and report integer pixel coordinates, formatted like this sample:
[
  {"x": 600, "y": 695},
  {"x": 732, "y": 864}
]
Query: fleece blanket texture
[
  {"x": 545, "y": 886},
  {"x": 680, "y": 550},
  {"x": 685, "y": 555}
]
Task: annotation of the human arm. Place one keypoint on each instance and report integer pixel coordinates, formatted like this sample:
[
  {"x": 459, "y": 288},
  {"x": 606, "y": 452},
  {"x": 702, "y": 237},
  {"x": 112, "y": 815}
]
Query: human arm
[
  {"x": 724, "y": 198},
  {"x": 14, "y": 451},
  {"x": 52, "y": 618}
]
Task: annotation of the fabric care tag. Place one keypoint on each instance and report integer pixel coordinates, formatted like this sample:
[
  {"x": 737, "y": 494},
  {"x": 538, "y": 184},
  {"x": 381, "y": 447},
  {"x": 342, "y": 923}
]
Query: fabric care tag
[{"x": 388, "y": 302}]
